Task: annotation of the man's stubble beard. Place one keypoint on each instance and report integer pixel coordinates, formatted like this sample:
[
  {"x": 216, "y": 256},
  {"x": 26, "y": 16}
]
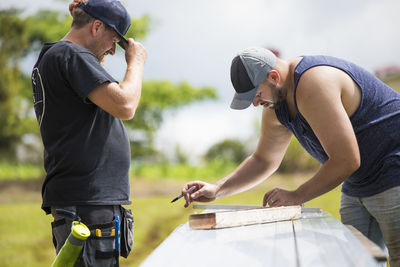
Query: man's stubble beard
[
  {"x": 102, "y": 60},
  {"x": 278, "y": 95}
]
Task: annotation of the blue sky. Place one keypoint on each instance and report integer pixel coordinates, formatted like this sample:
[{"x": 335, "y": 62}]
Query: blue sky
[{"x": 195, "y": 41}]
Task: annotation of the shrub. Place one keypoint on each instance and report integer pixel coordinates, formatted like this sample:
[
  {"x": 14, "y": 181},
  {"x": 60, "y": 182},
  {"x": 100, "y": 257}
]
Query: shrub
[
  {"x": 229, "y": 150},
  {"x": 297, "y": 159}
]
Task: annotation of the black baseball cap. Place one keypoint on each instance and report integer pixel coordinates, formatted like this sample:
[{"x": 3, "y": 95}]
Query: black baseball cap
[
  {"x": 249, "y": 69},
  {"x": 111, "y": 13}
]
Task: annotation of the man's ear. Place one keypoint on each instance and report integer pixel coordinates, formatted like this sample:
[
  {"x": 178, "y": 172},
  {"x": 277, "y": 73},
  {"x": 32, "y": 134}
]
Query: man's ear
[
  {"x": 96, "y": 25},
  {"x": 274, "y": 77}
]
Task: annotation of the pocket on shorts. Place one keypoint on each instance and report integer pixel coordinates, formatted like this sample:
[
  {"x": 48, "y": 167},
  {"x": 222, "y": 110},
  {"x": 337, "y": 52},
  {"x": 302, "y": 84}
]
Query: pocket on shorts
[
  {"x": 126, "y": 232},
  {"x": 99, "y": 248}
]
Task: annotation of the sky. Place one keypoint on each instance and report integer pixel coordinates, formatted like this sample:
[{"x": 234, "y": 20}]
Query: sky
[{"x": 195, "y": 41}]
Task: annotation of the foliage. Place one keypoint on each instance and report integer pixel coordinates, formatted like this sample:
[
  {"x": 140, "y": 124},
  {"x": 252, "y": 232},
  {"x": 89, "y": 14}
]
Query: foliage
[
  {"x": 229, "y": 150},
  {"x": 149, "y": 171},
  {"x": 393, "y": 82},
  {"x": 297, "y": 159},
  {"x": 21, "y": 36},
  {"x": 157, "y": 97},
  {"x": 213, "y": 171},
  {"x": 13, "y": 110},
  {"x": 181, "y": 156},
  {"x": 10, "y": 172}
]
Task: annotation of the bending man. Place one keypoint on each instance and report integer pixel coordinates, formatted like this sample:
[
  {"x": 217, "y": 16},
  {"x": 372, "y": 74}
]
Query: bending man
[{"x": 343, "y": 116}]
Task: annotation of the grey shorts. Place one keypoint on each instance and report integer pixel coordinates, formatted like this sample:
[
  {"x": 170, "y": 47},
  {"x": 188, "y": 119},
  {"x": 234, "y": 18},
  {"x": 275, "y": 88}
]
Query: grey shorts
[
  {"x": 100, "y": 248},
  {"x": 377, "y": 217}
]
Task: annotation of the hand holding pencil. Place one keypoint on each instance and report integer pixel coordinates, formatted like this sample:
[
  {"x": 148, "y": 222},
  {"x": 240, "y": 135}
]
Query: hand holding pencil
[
  {"x": 202, "y": 192},
  {"x": 187, "y": 192}
]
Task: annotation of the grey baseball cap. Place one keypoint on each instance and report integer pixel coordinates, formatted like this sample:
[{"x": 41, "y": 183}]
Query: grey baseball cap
[{"x": 249, "y": 69}]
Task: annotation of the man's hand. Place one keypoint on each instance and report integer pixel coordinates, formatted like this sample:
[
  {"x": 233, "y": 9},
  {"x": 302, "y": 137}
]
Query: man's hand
[
  {"x": 279, "y": 197},
  {"x": 134, "y": 52},
  {"x": 74, "y": 4},
  {"x": 204, "y": 192}
]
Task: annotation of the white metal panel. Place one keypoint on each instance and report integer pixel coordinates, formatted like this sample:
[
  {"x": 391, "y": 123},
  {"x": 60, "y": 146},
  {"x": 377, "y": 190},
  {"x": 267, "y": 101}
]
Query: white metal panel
[
  {"x": 324, "y": 241},
  {"x": 284, "y": 251},
  {"x": 254, "y": 245},
  {"x": 317, "y": 239}
]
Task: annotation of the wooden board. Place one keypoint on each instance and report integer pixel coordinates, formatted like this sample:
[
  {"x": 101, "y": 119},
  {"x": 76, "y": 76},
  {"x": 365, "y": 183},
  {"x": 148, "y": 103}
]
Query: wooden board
[
  {"x": 372, "y": 248},
  {"x": 223, "y": 219}
]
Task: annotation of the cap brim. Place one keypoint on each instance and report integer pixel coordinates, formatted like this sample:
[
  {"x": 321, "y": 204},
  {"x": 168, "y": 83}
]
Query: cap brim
[
  {"x": 122, "y": 42},
  {"x": 243, "y": 100}
]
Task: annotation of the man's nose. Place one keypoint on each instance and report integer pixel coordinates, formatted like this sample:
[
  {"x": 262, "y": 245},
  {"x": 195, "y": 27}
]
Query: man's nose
[
  {"x": 256, "y": 101},
  {"x": 112, "y": 50}
]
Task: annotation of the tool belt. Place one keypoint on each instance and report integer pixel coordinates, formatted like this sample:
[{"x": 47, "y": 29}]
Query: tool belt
[{"x": 100, "y": 248}]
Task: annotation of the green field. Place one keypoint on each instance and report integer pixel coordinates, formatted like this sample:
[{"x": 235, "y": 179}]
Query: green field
[{"x": 25, "y": 232}]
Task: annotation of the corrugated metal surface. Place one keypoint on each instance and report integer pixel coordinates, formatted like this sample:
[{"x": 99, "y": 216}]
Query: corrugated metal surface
[{"x": 317, "y": 239}]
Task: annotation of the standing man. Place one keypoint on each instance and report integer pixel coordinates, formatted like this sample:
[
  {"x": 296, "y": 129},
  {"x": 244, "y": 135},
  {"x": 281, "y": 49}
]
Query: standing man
[
  {"x": 343, "y": 116},
  {"x": 79, "y": 108}
]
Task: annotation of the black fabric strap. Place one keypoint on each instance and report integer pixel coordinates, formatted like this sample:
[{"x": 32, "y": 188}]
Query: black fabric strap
[
  {"x": 105, "y": 254},
  {"x": 58, "y": 223},
  {"x": 101, "y": 226},
  {"x": 93, "y": 236}
]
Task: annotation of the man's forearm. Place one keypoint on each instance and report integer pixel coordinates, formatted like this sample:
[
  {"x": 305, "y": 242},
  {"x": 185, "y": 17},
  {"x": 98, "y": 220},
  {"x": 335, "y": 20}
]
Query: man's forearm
[
  {"x": 132, "y": 84},
  {"x": 250, "y": 173},
  {"x": 329, "y": 176}
]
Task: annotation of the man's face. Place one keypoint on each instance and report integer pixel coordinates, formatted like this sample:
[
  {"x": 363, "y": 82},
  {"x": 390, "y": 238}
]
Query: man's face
[
  {"x": 105, "y": 43},
  {"x": 269, "y": 95}
]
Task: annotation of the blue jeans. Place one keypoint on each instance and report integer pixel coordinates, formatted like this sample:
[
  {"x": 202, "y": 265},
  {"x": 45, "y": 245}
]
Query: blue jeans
[{"x": 377, "y": 217}]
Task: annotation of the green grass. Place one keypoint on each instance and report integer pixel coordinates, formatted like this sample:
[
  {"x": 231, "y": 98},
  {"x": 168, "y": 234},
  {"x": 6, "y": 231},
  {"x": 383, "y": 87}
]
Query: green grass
[
  {"x": 20, "y": 172},
  {"x": 182, "y": 172},
  {"x": 24, "y": 236},
  {"x": 25, "y": 232}
]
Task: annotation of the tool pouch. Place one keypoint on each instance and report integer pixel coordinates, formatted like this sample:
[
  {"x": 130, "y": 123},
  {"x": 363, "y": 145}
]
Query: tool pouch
[
  {"x": 126, "y": 232},
  {"x": 100, "y": 246}
]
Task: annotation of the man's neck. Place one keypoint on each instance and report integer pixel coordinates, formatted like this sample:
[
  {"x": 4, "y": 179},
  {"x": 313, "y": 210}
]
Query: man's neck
[
  {"x": 76, "y": 37},
  {"x": 287, "y": 71}
]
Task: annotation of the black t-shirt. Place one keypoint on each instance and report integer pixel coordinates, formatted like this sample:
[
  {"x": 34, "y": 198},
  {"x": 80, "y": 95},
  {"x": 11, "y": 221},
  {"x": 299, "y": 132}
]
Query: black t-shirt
[{"x": 86, "y": 150}]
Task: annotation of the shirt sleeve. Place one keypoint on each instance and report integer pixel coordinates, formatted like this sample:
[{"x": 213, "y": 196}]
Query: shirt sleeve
[{"x": 84, "y": 73}]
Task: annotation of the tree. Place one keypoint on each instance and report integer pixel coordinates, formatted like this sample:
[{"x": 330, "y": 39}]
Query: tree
[
  {"x": 20, "y": 36},
  {"x": 13, "y": 109},
  {"x": 227, "y": 150},
  {"x": 157, "y": 97},
  {"x": 297, "y": 159}
]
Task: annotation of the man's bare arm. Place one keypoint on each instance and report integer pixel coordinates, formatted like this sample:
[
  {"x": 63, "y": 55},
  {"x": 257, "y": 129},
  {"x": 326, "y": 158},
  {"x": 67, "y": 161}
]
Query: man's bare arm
[
  {"x": 273, "y": 142},
  {"x": 121, "y": 100},
  {"x": 272, "y": 146}
]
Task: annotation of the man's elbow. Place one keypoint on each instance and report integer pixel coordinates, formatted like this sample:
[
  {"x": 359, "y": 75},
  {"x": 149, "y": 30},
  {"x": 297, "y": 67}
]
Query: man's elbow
[
  {"x": 353, "y": 164},
  {"x": 126, "y": 112}
]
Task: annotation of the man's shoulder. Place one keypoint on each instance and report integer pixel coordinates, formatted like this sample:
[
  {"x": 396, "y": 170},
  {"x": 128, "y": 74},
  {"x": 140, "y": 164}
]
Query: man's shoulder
[
  {"x": 66, "y": 47},
  {"x": 64, "y": 52}
]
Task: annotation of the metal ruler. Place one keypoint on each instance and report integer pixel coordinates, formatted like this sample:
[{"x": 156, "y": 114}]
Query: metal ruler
[{"x": 242, "y": 207}]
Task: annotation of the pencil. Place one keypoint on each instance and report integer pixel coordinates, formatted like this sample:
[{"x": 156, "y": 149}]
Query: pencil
[{"x": 187, "y": 192}]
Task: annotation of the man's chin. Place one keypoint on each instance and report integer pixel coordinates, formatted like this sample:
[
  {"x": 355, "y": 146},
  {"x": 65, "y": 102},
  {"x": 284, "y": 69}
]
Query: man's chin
[{"x": 103, "y": 60}]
